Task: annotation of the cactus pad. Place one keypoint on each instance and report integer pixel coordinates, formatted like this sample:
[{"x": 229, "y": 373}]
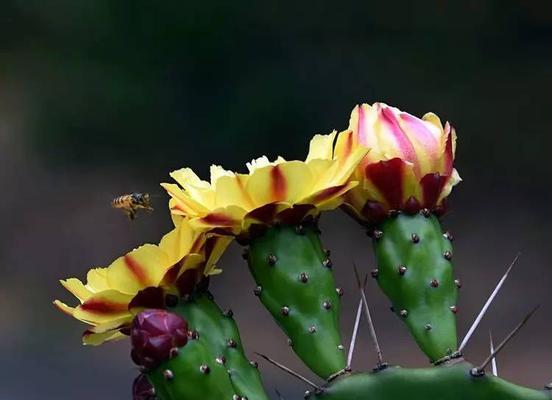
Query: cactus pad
[
  {"x": 296, "y": 284},
  {"x": 218, "y": 330},
  {"x": 415, "y": 272},
  {"x": 443, "y": 383}
]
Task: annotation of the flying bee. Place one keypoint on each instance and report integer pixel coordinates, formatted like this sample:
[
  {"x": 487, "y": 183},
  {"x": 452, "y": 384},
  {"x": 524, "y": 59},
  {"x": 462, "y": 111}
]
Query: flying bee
[{"x": 131, "y": 203}]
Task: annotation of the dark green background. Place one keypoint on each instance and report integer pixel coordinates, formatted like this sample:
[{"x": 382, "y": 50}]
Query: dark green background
[{"x": 99, "y": 98}]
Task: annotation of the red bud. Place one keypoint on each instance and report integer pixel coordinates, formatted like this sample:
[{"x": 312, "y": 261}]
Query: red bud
[{"x": 153, "y": 334}]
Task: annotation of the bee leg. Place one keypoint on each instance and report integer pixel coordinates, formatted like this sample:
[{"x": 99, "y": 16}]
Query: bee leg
[
  {"x": 149, "y": 209},
  {"x": 131, "y": 214}
]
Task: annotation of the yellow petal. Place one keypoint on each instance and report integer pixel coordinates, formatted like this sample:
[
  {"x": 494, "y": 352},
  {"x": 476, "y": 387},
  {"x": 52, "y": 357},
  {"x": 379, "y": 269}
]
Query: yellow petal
[
  {"x": 77, "y": 288},
  {"x": 182, "y": 202},
  {"x": 138, "y": 269},
  {"x": 262, "y": 162},
  {"x": 231, "y": 190},
  {"x": 348, "y": 165},
  {"x": 96, "y": 280},
  {"x": 321, "y": 147},
  {"x": 64, "y": 308},
  {"x": 217, "y": 172},
  {"x": 95, "y": 339},
  {"x": 103, "y": 307},
  {"x": 434, "y": 119},
  {"x": 180, "y": 241},
  {"x": 331, "y": 197},
  {"x": 218, "y": 247},
  {"x": 283, "y": 182},
  {"x": 228, "y": 219},
  {"x": 186, "y": 178}
]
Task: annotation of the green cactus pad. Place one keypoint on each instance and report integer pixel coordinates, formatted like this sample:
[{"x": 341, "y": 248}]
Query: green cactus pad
[
  {"x": 416, "y": 274},
  {"x": 219, "y": 332},
  {"x": 192, "y": 375},
  {"x": 443, "y": 383},
  {"x": 296, "y": 284}
]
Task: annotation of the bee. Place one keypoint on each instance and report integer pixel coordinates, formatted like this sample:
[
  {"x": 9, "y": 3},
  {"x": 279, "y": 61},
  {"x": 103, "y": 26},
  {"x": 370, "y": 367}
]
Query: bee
[{"x": 131, "y": 203}]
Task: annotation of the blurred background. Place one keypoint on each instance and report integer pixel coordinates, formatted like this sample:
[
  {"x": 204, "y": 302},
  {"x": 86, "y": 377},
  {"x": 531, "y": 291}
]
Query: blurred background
[{"x": 100, "y": 98}]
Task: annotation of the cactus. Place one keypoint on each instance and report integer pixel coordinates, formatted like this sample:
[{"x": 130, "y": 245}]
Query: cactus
[
  {"x": 414, "y": 261},
  {"x": 189, "y": 349},
  {"x": 296, "y": 284}
]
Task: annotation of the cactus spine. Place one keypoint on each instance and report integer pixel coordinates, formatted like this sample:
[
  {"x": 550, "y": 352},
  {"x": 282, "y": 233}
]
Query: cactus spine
[
  {"x": 415, "y": 272},
  {"x": 296, "y": 284}
]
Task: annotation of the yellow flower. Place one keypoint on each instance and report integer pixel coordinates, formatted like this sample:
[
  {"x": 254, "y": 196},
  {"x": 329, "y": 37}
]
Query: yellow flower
[
  {"x": 277, "y": 191},
  {"x": 409, "y": 166},
  {"x": 112, "y": 296}
]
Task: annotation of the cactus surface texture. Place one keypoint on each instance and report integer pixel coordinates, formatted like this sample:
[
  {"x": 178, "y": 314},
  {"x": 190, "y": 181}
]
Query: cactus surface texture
[
  {"x": 444, "y": 383},
  {"x": 296, "y": 284},
  {"x": 415, "y": 271},
  {"x": 218, "y": 330}
]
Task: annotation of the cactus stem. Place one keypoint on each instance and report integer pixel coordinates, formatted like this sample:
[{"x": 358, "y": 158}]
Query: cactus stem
[
  {"x": 479, "y": 371},
  {"x": 487, "y": 304},
  {"x": 491, "y": 348},
  {"x": 368, "y": 316},
  {"x": 291, "y": 372}
]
